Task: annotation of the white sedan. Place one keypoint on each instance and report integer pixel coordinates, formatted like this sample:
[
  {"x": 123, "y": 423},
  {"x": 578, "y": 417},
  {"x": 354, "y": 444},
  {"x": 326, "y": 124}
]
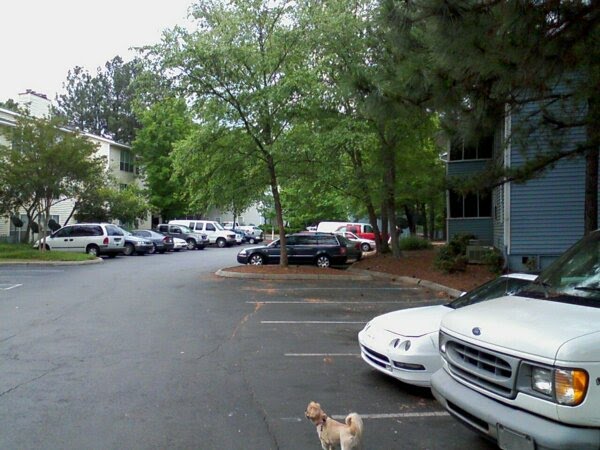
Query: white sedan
[
  {"x": 404, "y": 344},
  {"x": 366, "y": 245},
  {"x": 179, "y": 244}
]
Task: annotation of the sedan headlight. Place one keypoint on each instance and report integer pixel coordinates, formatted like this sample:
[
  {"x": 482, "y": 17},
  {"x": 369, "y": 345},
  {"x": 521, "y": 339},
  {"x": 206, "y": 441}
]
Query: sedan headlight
[
  {"x": 242, "y": 253},
  {"x": 567, "y": 386}
]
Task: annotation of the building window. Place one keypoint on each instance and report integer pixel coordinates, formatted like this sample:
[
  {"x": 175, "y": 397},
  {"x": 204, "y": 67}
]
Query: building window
[
  {"x": 470, "y": 205},
  {"x": 461, "y": 150},
  {"x": 126, "y": 163}
]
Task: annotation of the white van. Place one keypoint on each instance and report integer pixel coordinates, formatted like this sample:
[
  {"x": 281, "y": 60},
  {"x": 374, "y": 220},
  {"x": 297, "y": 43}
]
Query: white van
[
  {"x": 524, "y": 370},
  {"x": 215, "y": 232}
]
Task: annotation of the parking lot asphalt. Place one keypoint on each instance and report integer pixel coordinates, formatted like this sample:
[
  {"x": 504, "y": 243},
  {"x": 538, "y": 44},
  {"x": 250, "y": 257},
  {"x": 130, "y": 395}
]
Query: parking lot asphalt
[{"x": 157, "y": 352}]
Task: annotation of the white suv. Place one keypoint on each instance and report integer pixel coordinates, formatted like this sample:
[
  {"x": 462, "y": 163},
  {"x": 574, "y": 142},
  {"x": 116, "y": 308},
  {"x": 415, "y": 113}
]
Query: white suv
[
  {"x": 93, "y": 238},
  {"x": 215, "y": 232}
]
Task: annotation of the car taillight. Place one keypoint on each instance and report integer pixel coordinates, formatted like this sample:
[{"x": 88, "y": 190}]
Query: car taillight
[
  {"x": 165, "y": 239},
  {"x": 105, "y": 241},
  {"x": 343, "y": 250}
]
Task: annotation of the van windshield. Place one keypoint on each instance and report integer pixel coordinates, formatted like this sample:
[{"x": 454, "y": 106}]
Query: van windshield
[
  {"x": 572, "y": 278},
  {"x": 219, "y": 226}
]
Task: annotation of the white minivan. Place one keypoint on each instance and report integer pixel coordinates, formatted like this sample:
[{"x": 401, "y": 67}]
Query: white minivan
[
  {"x": 214, "y": 230},
  {"x": 93, "y": 238}
]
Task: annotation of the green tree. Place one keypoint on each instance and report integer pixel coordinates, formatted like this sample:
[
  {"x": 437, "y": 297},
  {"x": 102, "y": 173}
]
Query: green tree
[
  {"x": 215, "y": 175},
  {"x": 163, "y": 124},
  {"x": 102, "y": 104},
  {"x": 486, "y": 59},
  {"x": 46, "y": 164},
  {"x": 10, "y": 104},
  {"x": 247, "y": 67}
]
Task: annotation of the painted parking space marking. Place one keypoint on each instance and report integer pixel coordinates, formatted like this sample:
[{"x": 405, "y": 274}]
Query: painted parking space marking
[
  {"x": 333, "y": 289},
  {"x": 310, "y": 322},
  {"x": 8, "y": 287},
  {"x": 320, "y": 355},
  {"x": 407, "y": 415},
  {"x": 321, "y": 302}
]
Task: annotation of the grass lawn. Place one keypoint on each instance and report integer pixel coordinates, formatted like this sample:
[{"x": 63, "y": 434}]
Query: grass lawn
[{"x": 28, "y": 253}]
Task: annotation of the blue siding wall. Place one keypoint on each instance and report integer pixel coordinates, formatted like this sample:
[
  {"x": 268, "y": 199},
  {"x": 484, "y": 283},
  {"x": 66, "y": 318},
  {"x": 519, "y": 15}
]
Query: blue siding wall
[
  {"x": 546, "y": 213},
  {"x": 482, "y": 228}
]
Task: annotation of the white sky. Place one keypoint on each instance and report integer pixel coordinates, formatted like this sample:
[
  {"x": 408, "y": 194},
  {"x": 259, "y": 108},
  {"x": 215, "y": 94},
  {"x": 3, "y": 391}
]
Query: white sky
[{"x": 40, "y": 40}]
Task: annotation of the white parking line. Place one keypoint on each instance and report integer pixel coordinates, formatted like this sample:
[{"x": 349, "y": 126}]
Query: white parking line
[
  {"x": 407, "y": 415},
  {"x": 320, "y": 302},
  {"x": 397, "y": 415},
  {"x": 10, "y": 286},
  {"x": 294, "y": 322},
  {"x": 334, "y": 289},
  {"x": 320, "y": 354}
]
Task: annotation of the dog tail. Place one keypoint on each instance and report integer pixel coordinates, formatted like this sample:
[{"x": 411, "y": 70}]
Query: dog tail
[{"x": 354, "y": 421}]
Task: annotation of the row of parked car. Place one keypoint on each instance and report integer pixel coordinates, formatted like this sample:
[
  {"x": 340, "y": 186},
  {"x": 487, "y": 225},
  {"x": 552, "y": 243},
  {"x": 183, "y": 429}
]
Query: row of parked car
[{"x": 111, "y": 240}]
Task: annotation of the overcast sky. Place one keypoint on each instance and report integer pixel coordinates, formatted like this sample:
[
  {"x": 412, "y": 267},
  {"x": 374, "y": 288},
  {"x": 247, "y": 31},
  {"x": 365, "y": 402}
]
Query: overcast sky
[{"x": 42, "y": 39}]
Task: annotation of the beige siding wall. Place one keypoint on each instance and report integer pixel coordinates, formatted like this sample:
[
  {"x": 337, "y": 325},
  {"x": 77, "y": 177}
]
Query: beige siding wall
[{"x": 112, "y": 153}]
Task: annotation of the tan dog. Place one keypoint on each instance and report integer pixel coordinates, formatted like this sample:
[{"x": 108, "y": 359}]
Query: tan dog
[{"x": 334, "y": 434}]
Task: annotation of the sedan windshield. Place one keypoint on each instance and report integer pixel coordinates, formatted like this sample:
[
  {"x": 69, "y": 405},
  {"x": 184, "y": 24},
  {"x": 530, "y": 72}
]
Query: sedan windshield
[
  {"x": 492, "y": 289},
  {"x": 574, "y": 277}
]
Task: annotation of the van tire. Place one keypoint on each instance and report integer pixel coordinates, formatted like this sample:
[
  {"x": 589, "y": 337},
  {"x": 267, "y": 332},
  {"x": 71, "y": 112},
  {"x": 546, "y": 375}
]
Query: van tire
[
  {"x": 221, "y": 243},
  {"x": 93, "y": 250}
]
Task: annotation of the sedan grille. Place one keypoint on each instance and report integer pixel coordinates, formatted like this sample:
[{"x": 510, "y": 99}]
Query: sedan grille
[
  {"x": 375, "y": 357},
  {"x": 492, "y": 371}
]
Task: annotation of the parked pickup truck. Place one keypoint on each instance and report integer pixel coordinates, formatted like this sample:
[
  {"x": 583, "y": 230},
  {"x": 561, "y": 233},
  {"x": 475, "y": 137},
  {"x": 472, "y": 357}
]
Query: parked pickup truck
[
  {"x": 195, "y": 240},
  {"x": 525, "y": 370}
]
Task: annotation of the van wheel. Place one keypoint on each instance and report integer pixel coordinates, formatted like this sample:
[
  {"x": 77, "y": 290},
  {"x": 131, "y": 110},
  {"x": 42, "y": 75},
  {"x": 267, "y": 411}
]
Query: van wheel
[
  {"x": 92, "y": 250},
  {"x": 323, "y": 261},
  {"x": 252, "y": 241},
  {"x": 129, "y": 249},
  {"x": 191, "y": 244},
  {"x": 221, "y": 243}
]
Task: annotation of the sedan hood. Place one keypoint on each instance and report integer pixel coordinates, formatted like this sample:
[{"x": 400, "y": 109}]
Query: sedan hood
[
  {"x": 412, "y": 322},
  {"x": 540, "y": 328}
]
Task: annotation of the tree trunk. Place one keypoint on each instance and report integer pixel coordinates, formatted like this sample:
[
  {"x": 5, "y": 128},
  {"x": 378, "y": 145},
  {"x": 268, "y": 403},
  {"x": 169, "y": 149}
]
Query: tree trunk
[
  {"x": 385, "y": 225},
  {"x": 283, "y": 260},
  {"x": 410, "y": 218},
  {"x": 591, "y": 166},
  {"x": 591, "y": 190},
  {"x": 423, "y": 207},
  {"x": 432, "y": 221}
]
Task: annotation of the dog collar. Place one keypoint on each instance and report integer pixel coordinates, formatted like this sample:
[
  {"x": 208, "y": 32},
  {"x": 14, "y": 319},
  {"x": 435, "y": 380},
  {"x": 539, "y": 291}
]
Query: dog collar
[{"x": 322, "y": 423}]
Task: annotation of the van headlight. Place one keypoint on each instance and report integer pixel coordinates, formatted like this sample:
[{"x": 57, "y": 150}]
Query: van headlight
[{"x": 567, "y": 386}]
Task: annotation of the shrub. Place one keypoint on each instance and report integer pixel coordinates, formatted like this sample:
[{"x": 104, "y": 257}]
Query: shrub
[
  {"x": 494, "y": 260},
  {"x": 414, "y": 243},
  {"x": 459, "y": 242},
  {"x": 452, "y": 256}
]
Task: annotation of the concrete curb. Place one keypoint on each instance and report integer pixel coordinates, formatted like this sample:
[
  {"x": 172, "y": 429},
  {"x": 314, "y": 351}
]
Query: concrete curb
[
  {"x": 22, "y": 262},
  {"x": 292, "y": 276},
  {"x": 414, "y": 281}
]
